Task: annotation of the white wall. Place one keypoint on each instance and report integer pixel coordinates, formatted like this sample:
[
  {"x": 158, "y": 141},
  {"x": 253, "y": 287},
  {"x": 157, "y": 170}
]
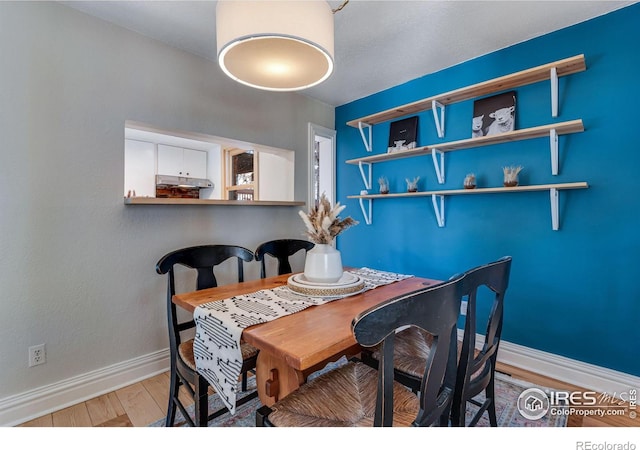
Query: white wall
[
  {"x": 275, "y": 179},
  {"x": 78, "y": 267}
]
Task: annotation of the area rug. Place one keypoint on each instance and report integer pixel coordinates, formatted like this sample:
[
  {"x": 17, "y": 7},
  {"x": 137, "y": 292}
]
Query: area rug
[{"x": 507, "y": 392}]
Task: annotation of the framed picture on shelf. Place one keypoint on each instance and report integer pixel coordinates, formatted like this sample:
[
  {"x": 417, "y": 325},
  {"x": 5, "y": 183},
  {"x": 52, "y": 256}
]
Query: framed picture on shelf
[
  {"x": 403, "y": 134},
  {"x": 494, "y": 115}
]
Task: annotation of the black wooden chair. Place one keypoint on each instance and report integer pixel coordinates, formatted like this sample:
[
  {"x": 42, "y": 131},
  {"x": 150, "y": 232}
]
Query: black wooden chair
[
  {"x": 281, "y": 249},
  {"x": 475, "y": 372},
  {"x": 355, "y": 394},
  {"x": 183, "y": 368}
]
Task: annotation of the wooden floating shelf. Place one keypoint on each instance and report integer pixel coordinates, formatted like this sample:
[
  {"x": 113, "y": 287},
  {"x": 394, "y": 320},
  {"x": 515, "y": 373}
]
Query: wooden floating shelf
[
  {"x": 562, "y": 67},
  {"x": 493, "y": 190},
  {"x": 437, "y": 198},
  {"x": 437, "y": 151},
  {"x": 572, "y": 126},
  {"x": 197, "y": 201}
]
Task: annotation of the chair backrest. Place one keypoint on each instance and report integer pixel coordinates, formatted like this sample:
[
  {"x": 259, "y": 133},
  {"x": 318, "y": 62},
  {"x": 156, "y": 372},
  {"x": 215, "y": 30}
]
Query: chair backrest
[
  {"x": 203, "y": 259},
  {"x": 494, "y": 276},
  {"x": 281, "y": 249},
  {"x": 434, "y": 309}
]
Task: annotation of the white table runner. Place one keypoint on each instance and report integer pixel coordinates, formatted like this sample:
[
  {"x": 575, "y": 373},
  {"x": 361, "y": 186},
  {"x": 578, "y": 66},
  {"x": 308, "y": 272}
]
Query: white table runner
[{"x": 219, "y": 326}]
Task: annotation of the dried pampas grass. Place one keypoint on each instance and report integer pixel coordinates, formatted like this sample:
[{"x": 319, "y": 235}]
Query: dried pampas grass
[{"x": 323, "y": 222}]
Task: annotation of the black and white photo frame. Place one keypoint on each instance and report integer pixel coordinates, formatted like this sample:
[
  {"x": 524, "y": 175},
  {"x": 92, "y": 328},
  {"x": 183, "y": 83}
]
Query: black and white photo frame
[
  {"x": 494, "y": 115},
  {"x": 403, "y": 134}
]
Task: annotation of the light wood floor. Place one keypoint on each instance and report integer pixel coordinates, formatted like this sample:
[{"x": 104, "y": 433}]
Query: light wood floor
[{"x": 145, "y": 402}]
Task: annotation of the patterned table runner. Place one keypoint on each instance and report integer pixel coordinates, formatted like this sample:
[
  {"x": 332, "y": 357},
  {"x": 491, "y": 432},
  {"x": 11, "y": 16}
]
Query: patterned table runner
[{"x": 219, "y": 326}]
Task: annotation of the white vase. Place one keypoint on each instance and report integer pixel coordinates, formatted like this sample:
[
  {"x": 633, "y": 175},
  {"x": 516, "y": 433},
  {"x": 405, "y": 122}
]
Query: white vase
[{"x": 323, "y": 264}]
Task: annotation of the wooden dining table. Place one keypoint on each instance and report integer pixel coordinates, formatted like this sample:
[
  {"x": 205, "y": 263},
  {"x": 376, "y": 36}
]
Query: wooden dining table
[{"x": 294, "y": 346}]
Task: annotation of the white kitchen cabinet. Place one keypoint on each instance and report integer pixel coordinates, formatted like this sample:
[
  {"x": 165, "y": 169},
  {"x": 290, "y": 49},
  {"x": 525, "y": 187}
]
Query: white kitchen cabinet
[
  {"x": 181, "y": 162},
  {"x": 139, "y": 162},
  {"x": 195, "y": 163}
]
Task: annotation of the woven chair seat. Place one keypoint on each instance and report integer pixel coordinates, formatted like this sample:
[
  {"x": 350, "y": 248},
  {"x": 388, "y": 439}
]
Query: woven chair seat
[
  {"x": 344, "y": 397},
  {"x": 185, "y": 350},
  {"x": 411, "y": 351}
]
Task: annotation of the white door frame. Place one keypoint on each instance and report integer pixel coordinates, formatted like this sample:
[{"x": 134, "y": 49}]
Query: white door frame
[{"x": 327, "y": 133}]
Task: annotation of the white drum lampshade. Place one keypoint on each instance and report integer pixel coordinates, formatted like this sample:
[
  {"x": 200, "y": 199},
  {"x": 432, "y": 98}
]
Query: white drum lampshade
[{"x": 275, "y": 45}]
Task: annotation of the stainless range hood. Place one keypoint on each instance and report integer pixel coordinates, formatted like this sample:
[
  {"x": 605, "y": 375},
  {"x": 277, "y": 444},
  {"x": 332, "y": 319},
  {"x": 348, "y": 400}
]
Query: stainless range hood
[{"x": 186, "y": 182}]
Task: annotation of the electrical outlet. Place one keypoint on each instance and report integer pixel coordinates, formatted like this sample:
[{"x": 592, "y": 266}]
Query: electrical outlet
[
  {"x": 37, "y": 355},
  {"x": 463, "y": 308}
]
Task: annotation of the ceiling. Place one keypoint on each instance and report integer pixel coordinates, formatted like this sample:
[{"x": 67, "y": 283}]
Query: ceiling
[{"x": 378, "y": 44}]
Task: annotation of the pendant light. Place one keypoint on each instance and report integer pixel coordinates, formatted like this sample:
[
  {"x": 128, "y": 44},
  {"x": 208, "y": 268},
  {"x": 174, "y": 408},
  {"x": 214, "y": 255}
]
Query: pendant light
[{"x": 275, "y": 45}]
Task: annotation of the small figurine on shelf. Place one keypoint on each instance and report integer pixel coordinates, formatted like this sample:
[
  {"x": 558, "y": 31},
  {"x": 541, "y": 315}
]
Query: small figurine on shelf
[
  {"x": 398, "y": 146},
  {"x": 511, "y": 175},
  {"x": 384, "y": 185},
  {"x": 470, "y": 181},
  {"x": 412, "y": 186}
]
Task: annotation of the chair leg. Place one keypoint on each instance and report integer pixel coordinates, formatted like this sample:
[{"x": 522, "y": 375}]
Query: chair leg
[
  {"x": 444, "y": 417},
  {"x": 491, "y": 397},
  {"x": 262, "y": 413},
  {"x": 458, "y": 408},
  {"x": 174, "y": 387},
  {"x": 244, "y": 382},
  {"x": 201, "y": 402},
  {"x": 459, "y": 412}
]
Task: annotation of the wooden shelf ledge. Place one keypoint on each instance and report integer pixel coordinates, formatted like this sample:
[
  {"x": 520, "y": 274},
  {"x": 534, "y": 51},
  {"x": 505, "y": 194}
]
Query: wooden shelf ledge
[
  {"x": 562, "y": 67},
  {"x": 572, "y": 126},
  {"x": 477, "y": 191},
  {"x": 437, "y": 198},
  {"x": 197, "y": 201},
  {"x": 437, "y": 151}
]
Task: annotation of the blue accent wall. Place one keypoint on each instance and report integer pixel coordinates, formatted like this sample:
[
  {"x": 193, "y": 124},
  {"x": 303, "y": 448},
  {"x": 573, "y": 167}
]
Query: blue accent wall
[{"x": 574, "y": 292}]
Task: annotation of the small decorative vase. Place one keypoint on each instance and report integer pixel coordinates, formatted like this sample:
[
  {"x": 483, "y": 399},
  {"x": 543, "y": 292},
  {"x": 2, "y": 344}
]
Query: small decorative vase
[
  {"x": 470, "y": 181},
  {"x": 384, "y": 185},
  {"x": 511, "y": 175},
  {"x": 323, "y": 264},
  {"x": 412, "y": 185}
]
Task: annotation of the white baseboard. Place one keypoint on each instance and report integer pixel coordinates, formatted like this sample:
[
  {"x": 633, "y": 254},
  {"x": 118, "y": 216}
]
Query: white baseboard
[
  {"x": 587, "y": 376},
  {"x": 29, "y": 405},
  {"x": 584, "y": 375}
]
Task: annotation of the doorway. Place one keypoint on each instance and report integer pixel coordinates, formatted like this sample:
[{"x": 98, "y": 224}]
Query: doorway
[{"x": 322, "y": 164}]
